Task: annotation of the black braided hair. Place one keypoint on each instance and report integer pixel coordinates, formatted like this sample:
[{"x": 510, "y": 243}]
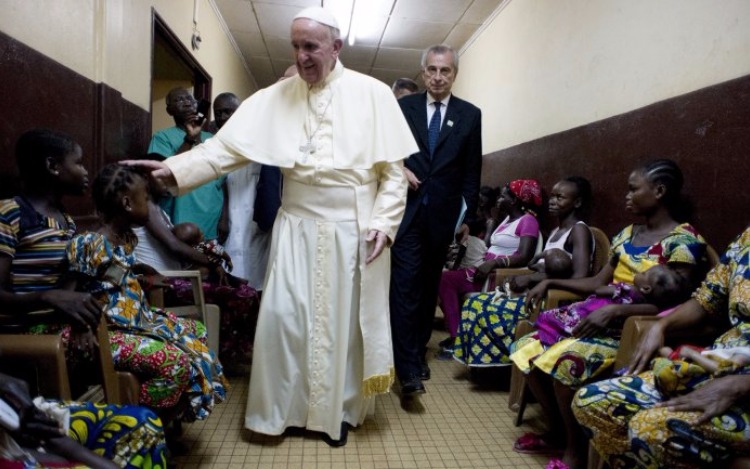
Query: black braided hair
[
  {"x": 110, "y": 185},
  {"x": 585, "y": 194},
  {"x": 35, "y": 146},
  {"x": 667, "y": 173}
]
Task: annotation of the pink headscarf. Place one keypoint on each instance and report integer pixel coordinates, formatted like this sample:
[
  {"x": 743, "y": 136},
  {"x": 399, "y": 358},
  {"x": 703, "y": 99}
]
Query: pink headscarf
[{"x": 527, "y": 191}]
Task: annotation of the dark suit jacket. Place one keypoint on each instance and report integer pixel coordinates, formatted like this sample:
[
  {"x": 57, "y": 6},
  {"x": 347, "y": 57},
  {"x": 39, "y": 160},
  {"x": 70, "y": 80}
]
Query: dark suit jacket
[{"x": 453, "y": 171}]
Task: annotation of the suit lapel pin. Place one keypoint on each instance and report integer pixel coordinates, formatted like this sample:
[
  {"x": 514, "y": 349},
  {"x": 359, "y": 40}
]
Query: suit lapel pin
[{"x": 450, "y": 123}]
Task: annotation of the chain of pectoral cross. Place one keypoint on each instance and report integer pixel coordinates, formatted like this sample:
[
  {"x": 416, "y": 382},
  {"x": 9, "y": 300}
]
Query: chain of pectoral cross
[{"x": 308, "y": 148}]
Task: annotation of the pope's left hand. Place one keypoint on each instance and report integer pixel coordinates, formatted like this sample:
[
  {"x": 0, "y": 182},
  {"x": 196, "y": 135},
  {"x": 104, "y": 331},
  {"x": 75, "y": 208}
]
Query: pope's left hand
[{"x": 380, "y": 240}]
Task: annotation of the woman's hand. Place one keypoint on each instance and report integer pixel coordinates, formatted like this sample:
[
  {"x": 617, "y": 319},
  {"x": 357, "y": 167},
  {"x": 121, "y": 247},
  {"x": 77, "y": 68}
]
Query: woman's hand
[
  {"x": 711, "y": 399},
  {"x": 80, "y": 309},
  {"x": 593, "y": 324},
  {"x": 535, "y": 295},
  {"x": 518, "y": 283},
  {"x": 484, "y": 270},
  {"x": 83, "y": 341},
  {"x": 16, "y": 393},
  {"x": 646, "y": 348},
  {"x": 36, "y": 428},
  {"x": 228, "y": 260},
  {"x": 150, "y": 281}
]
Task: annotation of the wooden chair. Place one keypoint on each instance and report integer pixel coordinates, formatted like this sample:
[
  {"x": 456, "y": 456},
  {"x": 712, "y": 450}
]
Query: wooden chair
[
  {"x": 45, "y": 354},
  {"x": 634, "y": 329},
  {"x": 209, "y": 314},
  {"x": 519, "y": 394}
]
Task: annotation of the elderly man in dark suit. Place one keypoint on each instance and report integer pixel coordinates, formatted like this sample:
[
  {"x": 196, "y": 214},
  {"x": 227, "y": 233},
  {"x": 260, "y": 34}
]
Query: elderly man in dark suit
[{"x": 445, "y": 170}]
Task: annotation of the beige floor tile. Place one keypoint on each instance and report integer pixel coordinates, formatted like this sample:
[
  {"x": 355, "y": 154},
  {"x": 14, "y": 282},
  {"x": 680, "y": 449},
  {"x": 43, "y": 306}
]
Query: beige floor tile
[{"x": 457, "y": 424}]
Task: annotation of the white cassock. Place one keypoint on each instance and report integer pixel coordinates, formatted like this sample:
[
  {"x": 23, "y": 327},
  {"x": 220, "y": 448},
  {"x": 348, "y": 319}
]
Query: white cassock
[{"x": 323, "y": 344}]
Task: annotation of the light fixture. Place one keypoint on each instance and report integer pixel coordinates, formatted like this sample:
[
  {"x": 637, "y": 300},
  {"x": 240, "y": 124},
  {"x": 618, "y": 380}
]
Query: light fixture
[
  {"x": 195, "y": 40},
  {"x": 343, "y": 11}
]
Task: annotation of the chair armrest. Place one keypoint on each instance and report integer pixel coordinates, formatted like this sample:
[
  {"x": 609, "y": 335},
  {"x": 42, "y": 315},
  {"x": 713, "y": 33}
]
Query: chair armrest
[
  {"x": 555, "y": 297},
  {"x": 197, "y": 286},
  {"x": 504, "y": 273},
  {"x": 633, "y": 330}
]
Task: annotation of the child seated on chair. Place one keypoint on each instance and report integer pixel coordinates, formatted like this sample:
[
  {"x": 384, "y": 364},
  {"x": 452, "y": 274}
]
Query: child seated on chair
[
  {"x": 169, "y": 354},
  {"x": 658, "y": 285}
]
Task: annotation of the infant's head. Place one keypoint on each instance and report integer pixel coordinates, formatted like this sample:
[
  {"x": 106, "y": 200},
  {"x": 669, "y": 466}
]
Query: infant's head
[
  {"x": 557, "y": 263},
  {"x": 662, "y": 286},
  {"x": 189, "y": 233}
]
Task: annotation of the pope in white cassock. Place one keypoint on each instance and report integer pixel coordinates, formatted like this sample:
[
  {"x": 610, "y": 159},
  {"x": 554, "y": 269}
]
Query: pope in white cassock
[{"x": 323, "y": 343}]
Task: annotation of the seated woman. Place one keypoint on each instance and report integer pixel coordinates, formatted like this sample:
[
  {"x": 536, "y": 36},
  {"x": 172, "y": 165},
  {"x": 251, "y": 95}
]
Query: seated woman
[
  {"x": 512, "y": 244},
  {"x": 168, "y": 353},
  {"x": 76, "y": 434},
  {"x": 636, "y": 423},
  {"x": 34, "y": 231},
  {"x": 161, "y": 247},
  {"x": 488, "y": 324},
  {"x": 654, "y": 194}
]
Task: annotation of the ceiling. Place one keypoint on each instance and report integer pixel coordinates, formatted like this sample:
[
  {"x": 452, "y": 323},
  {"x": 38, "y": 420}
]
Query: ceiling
[{"x": 389, "y": 34}]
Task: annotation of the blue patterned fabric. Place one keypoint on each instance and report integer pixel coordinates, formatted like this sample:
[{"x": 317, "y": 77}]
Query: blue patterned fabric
[{"x": 433, "y": 130}]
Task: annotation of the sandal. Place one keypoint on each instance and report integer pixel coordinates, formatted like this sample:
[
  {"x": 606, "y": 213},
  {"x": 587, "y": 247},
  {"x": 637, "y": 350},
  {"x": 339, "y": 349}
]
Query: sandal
[
  {"x": 534, "y": 443},
  {"x": 556, "y": 463}
]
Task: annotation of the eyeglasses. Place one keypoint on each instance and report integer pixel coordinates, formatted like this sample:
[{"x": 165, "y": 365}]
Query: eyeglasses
[
  {"x": 432, "y": 71},
  {"x": 183, "y": 99}
]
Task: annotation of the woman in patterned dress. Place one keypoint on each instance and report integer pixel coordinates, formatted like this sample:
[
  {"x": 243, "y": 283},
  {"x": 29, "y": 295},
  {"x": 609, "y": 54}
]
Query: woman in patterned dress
[
  {"x": 636, "y": 422},
  {"x": 34, "y": 232},
  {"x": 512, "y": 244},
  {"x": 83, "y": 433},
  {"x": 654, "y": 194},
  {"x": 488, "y": 326}
]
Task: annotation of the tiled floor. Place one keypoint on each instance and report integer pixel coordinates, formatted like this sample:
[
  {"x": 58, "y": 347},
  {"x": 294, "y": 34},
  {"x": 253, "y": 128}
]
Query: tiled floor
[{"x": 457, "y": 424}]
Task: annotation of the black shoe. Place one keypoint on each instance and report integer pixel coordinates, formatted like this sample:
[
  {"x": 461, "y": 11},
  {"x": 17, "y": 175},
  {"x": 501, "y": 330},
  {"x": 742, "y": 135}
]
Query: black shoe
[
  {"x": 446, "y": 344},
  {"x": 424, "y": 373},
  {"x": 342, "y": 438},
  {"x": 412, "y": 386},
  {"x": 445, "y": 355}
]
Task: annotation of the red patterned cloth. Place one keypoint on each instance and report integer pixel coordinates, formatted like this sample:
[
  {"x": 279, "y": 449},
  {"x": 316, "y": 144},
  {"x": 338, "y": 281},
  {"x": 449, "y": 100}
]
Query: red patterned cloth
[{"x": 527, "y": 190}]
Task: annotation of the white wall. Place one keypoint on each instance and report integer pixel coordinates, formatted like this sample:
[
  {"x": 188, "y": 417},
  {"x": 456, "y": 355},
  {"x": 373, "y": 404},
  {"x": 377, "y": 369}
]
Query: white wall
[
  {"x": 109, "y": 41},
  {"x": 544, "y": 66}
]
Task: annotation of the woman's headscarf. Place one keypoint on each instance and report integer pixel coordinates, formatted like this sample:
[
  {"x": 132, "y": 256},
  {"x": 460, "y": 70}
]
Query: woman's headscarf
[{"x": 528, "y": 191}]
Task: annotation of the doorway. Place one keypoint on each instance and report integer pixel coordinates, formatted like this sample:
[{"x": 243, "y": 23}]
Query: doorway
[{"x": 172, "y": 66}]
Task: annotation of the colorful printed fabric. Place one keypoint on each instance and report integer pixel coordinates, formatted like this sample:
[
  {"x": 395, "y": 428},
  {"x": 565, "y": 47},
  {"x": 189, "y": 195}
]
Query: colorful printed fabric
[
  {"x": 148, "y": 334},
  {"x": 557, "y": 324},
  {"x": 487, "y": 329},
  {"x": 130, "y": 436},
  {"x": 35, "y": 243},
  {"x": 576, "y": 361},
  {"x": 528, "y": 191},
  {"x": 682, "y": 245},
  {"x": 620, "y": 413},
  {"x": 239, "y": 317},
  {"x": 629, "y": 431}
]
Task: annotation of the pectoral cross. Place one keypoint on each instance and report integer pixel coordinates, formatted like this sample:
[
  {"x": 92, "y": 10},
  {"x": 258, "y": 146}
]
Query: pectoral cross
[{"x": 306, "y": 150}]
